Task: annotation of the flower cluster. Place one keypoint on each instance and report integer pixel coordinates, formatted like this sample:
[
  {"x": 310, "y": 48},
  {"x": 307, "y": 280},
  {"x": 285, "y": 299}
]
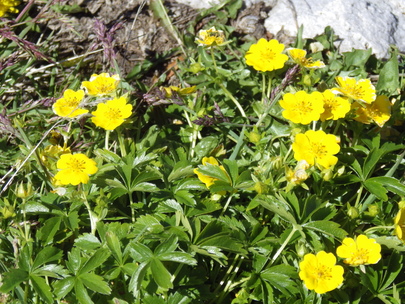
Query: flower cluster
[
  {"x": 320, "y": 272},
  {"x": 109, "y": 114},
  {"x": 210, "y": 37}
]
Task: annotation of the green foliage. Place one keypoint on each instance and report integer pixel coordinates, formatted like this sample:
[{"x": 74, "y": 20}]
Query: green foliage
[{"x": 147, "y": 228}]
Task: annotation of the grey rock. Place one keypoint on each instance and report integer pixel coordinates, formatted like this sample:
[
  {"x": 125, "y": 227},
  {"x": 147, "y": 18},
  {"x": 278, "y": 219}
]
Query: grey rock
[{"x": 360, "y": 24}]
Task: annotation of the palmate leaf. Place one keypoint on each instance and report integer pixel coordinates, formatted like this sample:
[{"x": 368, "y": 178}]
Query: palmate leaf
[
  {"x": 160, "y": 274},
  {"x": 46, "y": 255},
  {"x": 327, "y": 227},
  {"x": 12, "y": 279},
  {"x": 62, "y": 287},
  {"x": 281, "y": 277},
  {"x": 42, "y": 288},
  {"x": 95, "y": 283}
]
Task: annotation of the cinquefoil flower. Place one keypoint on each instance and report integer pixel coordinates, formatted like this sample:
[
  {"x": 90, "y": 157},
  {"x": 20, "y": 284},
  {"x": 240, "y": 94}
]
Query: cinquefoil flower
[
  {"x": 335, "y": 107},
  {"x": 68, "y": 105},
  {"x": 399, "y": 224},
  {"x": 208, "y": 180},
  {"x": 8, "y": 6},
  {"x": 180, "y": 91},
  {"x": 266, "y": 55},
  {"x": 74, "y": 169},
  {"x": 360, "y": 90},
  {"x": 101, "y": 85},
  {"x": 111, "y": 114},
  {"x": 299, "y": 57},
  {"x": 302, "y": 107},
  {"x": 379, "y": 111},
  {"x": 210, "y": 37},
  {"x": 317, "y": 148},
  {"x": 320, "y": 272},
  {"x": 360, "y": 251}
]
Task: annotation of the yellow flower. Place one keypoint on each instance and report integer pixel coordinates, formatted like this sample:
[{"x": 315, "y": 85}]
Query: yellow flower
[
  {"x": 399, "y": 224},
  {"x": 111, "y": 114},
  {"x": 316, "y": 147},
  {"x": 360, "y": 251},
  {"x": 74, "y": 169},
  {"x": 181, "y": 92},
  {"x": 210, "y": 37},
  {"x": 206, "y": 179},
  {"x": 266, "y": 55},
  {"x": 320, "y": 272},
  {"x": 360, "y": 90},
  {"x": 379, "y": 111},
  {"x": 100, "y": 85},
  {"x": 8, "y": 6},
  {"x": 68, "y": 105},
  {"x": 335, "y": 107},
  {"x": 302, "y": 107},
  {"x": 299, "y": 57}
]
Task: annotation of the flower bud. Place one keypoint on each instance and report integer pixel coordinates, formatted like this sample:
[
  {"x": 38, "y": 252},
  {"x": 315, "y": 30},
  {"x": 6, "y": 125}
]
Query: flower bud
[
  {"x": 23, "y": 192},
  {"x": 352, "y": 212}
]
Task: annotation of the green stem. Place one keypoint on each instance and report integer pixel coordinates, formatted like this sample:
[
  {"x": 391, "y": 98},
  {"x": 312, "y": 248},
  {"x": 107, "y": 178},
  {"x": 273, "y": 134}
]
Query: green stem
[
  {"x": 226, "y": 205},
  {"x": 107, "y": 137},
  {"x": 283, "y": 245},
  {"x": 92, "y": 217},
  {"x": 263, "y": 88},
  {"x": 356, "y": 205},
  {"x": 237, "y": 104},
  {"x": 121, "y": 143},
  {"x": 214, "y": 61}
]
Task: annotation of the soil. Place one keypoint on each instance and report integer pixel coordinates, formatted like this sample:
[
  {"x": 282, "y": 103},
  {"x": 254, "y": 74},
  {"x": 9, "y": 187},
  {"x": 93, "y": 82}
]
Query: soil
[{"x": 133, "y": 33}]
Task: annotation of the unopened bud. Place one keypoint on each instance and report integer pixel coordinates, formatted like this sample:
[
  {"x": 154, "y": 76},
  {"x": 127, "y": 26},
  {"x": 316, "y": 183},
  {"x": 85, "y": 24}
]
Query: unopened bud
[{"x": 23, "y": 192}]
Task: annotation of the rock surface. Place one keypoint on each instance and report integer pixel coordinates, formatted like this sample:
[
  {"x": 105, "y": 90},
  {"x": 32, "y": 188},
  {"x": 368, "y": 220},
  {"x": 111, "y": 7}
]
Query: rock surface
[{"x": 360, "y": 24}]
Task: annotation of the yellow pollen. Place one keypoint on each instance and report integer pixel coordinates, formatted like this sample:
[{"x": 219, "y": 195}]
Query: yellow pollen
[
  {"x": 77, "y": 164},
  {"x": 113, "y": 113},
  {"x": 323, "y": 273}
]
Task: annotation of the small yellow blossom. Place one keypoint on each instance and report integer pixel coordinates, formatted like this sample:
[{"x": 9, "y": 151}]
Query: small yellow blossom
[
  {"x": 335, "y": 107},
  {"x": 111, "y": 114},
  {"x": 299, "y": 57},
  {"x": 266, "y": 55},
  {"x": 320, "y": 272},
  {"x": 360, "y": 90},
  {"x": 68, "y": 105},
  {"x": 181, "y": 92},
  {"x": 8, "y": 6},
  {"x": 299, "y": 174},
  {"x": 316, "y": 147},
  {"x": 302, "y": 107},
  {"x": 206, "y": 179},
  {"x": 361, "y": 251},
  {"x": 210, "y": 37},
  {"x": 399, "y": 224},
  {"x": 101, "y": 85},
  {"x": 74, "y": 169},
  {"x": 379, "y": 111}
]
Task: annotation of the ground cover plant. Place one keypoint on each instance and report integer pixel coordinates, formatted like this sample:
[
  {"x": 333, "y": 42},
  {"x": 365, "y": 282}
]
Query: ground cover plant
[{"x": 262, "y": 173}]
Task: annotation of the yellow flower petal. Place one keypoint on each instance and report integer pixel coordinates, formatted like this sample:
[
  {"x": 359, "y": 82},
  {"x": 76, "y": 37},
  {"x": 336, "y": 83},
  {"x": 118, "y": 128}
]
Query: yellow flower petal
[
  {"x": 68, "y": 105},
  {"x": 101, "y": 85},
  {"x": 111, "y": 114},
  {"x": 360, "y": 90},
  {"x": 8, "y": 6},
  {"x": 335, "y": 107},
  {"x": 316, "y": 147},
  {"x": 320, "y": 272},
  {"x": 299, "y": 57},
  {"x": 210, "y": 37},
  {"x": 302, "y": 107},
  {"x": 266, "y": 55},
  {"x": 399, "y": 224},
  {"x": 74, "y": 169},
  {"x": 361, "y": 251}
]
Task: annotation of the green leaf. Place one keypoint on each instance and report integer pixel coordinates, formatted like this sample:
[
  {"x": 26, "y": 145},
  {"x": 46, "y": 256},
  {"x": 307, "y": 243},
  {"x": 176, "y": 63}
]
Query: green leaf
[
  {"x": 74, "y": 260},
  {"x": 272, "y": 205},
  {"x": 87, "y": 242},
  {"x": 82, "y": 294},
  {"x": 185, "y": 197},
  {"x": 95, "y": 260},
  {"x": 95, "y": 283},
  {"x": 49, "y": 229},
  {"x": 168, "y": 245},
  {"x": 137, "y": 278},
  {"x": 43, "y": 289},
  {"x": 46, "y": 255},
  {"x": 394, "y": 267},
  {"x": 145, "y": 187},
  {"x": 12, "y": 279},
  {"x": 376, "y": 188},
  {"x": 160, "y": 274},
  {"x": 356, "y": 58},
  {"x": 139, "y": 252},
  {"x": 63, "y": 287},
  {"x": 178, "y": 257},
  {"x": 281, "y": 277},
  {"x": 327, "y": 227},
  {"x": 113, "y": 244},
  {"x": 389, "y": 75},
  {"x": 391, "y": 184},
  {"x": 181, "y": 170}
]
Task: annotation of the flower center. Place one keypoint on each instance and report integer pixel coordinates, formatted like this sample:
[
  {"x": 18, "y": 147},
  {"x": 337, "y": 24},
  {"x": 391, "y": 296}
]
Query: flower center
[
  {"x": 322, "y": 272},
  {"x": 360, "y": 257},
  {"x": 319, "y": 150},
  {"x": 268, "y": 54},
  {"x": 113, "y": 114},
  {"x": 77, "y": 165},
  {"x": 355, "y": 91}
]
